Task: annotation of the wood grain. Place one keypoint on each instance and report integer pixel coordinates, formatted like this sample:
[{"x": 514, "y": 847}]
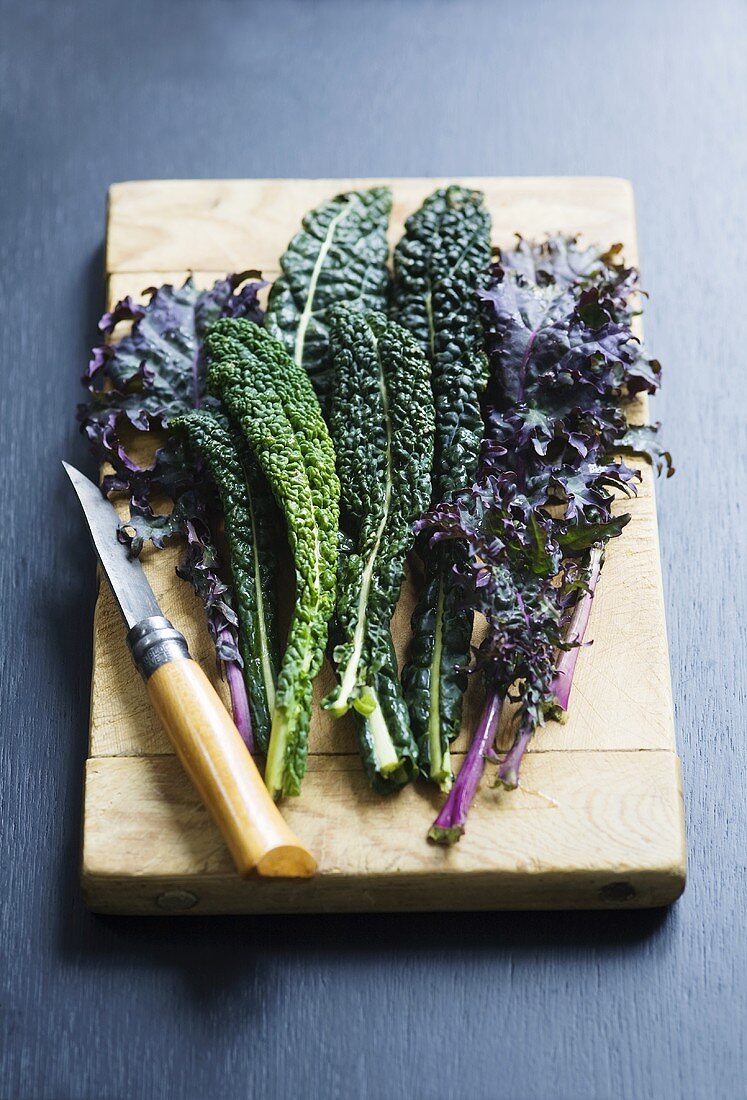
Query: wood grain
[
  {"x": 581, "y": 833},
  {"x": 224, "y": 775},
  {"x": 214, "y": 225}
]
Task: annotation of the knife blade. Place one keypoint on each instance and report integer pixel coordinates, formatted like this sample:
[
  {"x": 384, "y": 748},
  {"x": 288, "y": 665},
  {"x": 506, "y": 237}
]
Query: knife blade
[
  {"x": 201, "y": 731},
  {"x": 125, "y": 574}
]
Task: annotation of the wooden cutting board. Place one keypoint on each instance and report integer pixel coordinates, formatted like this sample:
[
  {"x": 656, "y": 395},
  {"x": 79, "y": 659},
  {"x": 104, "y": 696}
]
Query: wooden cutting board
[{"x": 598, "y": 821}]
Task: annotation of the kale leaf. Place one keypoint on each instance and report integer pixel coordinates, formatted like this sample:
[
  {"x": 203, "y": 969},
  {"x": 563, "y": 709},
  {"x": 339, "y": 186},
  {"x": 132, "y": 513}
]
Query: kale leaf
[
  {"x": 439, "y": 264},
  {"x": 251, "y": 533},
  {"x": 382, "y": 426},
  {"x": 339, "y": 256},
  {"x": 272, "y": 403},
  {"x": 136, "y": 386}
]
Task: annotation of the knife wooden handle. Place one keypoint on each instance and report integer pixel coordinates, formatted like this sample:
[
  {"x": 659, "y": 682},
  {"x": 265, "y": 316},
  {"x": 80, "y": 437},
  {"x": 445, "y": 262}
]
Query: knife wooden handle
[{"x": 217, "y": 761}]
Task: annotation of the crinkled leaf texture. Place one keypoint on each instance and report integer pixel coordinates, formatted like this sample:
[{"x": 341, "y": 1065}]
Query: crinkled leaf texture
[
  {"x": 250, "y": 518},
  {"x": 271, "y": 401},
  {"x": 564, "y": 365},
  {"x": 338, "y": 257},
  {"x": 382, "y": 425},
  {"x": 440, "y": 263}
]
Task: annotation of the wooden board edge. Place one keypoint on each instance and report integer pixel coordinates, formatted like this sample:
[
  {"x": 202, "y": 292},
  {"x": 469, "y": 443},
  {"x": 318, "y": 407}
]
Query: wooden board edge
[
  {"x": 190, "y": 896},
  {"x": 121, "y": 188},
  {"x": 659, "y": 884},
  {"x": 175, "y": 896}
]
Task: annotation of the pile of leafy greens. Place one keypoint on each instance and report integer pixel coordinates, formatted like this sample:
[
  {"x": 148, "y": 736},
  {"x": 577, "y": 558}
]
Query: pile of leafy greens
[
  {"x": 564, "y": 364},
  {"x": 487, "y": 419},
  {"x": 231, "y": 460}
]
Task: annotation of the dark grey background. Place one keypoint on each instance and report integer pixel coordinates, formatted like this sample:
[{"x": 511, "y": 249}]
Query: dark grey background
[{"x": 634, "y": 1005}]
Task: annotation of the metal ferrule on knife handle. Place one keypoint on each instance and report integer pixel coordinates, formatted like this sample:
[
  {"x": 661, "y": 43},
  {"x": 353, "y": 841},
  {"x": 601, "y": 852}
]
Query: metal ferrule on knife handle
[{"x": 153, "y": 642}]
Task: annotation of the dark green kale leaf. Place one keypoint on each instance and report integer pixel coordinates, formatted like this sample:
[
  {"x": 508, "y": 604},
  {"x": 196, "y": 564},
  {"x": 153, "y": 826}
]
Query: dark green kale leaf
[
  {"x": 439, "y": 264},
  {"x": 382, "y": 425},
  {"x": 339, "y": 256},
  {"x": 250, "y": 518}
]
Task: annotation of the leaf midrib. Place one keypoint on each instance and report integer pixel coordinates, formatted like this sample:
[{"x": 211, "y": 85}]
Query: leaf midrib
[
  {"x": 267, "y": 673},
  {"x": 351, "y": 669},
  {"x": 306, "y": 314}
]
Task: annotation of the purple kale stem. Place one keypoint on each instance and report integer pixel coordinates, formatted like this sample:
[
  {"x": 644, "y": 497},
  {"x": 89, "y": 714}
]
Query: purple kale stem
[
  {"x": 449, "y": 825},
  {"x": 508, "y": 770},
  {"x": 574, "y": 635},
  {"x": 240, "y": 703}
]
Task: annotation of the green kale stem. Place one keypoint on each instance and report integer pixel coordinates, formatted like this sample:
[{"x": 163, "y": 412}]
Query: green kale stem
[
  {"x": 450, "y": 823},
  {"x": 387, "y": 759},
  {"x": 440, "y": 757},
  {"x": 240, "y": 703},
  {"x": 574, "y": 635}
]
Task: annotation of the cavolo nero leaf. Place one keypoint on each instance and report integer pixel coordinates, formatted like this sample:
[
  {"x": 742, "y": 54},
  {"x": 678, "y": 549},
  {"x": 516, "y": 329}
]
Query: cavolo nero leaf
[
  {"x": 250, "y": 518},
  {"x": 271, "y": 401},
  {"x": 339, "y": 256},
  {"x": 440, "y": 263},
  {"x": 382, "y": 425}
]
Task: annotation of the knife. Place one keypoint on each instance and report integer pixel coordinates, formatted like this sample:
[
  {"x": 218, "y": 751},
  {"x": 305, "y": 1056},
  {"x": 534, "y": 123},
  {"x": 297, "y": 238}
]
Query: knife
[{"x": 199, "y": 727}]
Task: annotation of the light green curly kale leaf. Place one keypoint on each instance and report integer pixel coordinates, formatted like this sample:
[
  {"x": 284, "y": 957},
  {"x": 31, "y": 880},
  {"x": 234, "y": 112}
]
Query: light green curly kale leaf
[{"x": 271, "y": 401}]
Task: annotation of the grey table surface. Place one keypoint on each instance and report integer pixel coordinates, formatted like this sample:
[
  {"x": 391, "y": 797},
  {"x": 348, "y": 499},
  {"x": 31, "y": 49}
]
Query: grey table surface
[{"x": 629, "y": 1005}]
